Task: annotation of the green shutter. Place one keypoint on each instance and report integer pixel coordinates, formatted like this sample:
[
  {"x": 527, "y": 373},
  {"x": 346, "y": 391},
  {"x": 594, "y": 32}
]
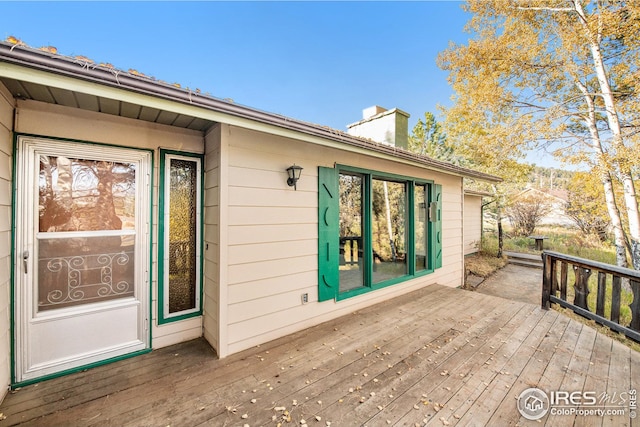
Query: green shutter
[
  {"x": 436, "y": 219},
  {"x": 328, "y": 233}
]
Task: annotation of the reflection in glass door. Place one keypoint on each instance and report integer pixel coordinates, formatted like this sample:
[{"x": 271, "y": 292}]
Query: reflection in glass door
[
  {"x": 352, "y": 263},
  {"x": 86, "y": 231}
]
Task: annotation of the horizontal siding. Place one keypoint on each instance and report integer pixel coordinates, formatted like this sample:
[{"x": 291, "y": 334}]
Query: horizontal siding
[
  {"x": 6, "y": 165},
  {"x": 7, "y": 104},
  {"x": 172, "y": 333},
  {"x": 472, "y": 223},
  {"x": 250, "y": 291},
  {"x": 452, "y": 264},
  {"x": 257, "y": 309},
  {"x": 254, "y": 234},
  {"x": 6, "y": 139},
  {"x": 252, "y": 272},
  {"x": 211, "y": 282},
  {"x": 272, "y": 215},
  {"x": 5, "y": 227},
  {"x": 283, "y": 249},
  {"x": 272, "y": 237},
  {"x": 266, "y": 198}
]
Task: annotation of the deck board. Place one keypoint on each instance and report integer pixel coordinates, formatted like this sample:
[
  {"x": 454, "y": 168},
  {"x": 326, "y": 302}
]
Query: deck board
[{"x": 437, "y": 356}]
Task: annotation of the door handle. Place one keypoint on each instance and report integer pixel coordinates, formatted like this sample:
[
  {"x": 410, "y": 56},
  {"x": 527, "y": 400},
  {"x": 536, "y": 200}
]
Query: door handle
[{"x": 25, "y": 257}]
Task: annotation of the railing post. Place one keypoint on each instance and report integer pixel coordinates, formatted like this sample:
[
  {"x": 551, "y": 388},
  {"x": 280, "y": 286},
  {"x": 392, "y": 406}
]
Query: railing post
[
  {"x": 555, "y": 280},
  {"x": 547, "y": 260},
  {"x": 554, "y": 277},
  {"x": 602, "y": 289},
  {"x": 581, "y": 287},
  {"x": 635, "y": 305},
  {"x": 564, "y": 271},
  {"x": 615, "y": 298}
]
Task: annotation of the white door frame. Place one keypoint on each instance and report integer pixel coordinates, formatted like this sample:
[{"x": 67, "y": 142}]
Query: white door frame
[{"x": 42, "y": 332}]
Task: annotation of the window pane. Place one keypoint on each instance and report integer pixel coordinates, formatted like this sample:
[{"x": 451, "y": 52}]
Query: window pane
[
  {"x": 420, "y": 227},
  {"x": 389, "y": 230},
  {"x": 182, "y": 239},
  {"x": 85, "y": 195},
  {"x": 351, "y": 242}
]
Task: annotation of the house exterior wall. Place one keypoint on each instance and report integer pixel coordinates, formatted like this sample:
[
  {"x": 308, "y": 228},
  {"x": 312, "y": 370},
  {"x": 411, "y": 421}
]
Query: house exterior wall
[
  {"x": 6, "y": 170},
  {"x": 50, "y": 120},
  {"x": 472, "y": 223},
  {"x": 260, "y": 235},
  {"x": 273, "y": 237},
  {"x": 212, "y": 252}
]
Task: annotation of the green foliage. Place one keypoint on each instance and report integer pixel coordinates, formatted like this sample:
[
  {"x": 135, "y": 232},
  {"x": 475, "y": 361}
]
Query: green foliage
[
  {"x": 388, "y": 213},
  {"x": 428, "y": 139},
  {"x": 350, "y": 205},
  {"x": 559, "y": 239}
]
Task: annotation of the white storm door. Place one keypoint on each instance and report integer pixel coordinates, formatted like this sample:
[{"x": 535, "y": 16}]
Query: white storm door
[{"x": 82, "y": 255}]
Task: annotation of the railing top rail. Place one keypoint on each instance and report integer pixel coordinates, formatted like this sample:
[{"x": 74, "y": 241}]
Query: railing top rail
[{"x": 587, "y": 263}]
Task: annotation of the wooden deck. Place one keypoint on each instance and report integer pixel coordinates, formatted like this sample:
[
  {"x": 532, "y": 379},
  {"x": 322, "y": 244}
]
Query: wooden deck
[{"x": 437, "y": 356}]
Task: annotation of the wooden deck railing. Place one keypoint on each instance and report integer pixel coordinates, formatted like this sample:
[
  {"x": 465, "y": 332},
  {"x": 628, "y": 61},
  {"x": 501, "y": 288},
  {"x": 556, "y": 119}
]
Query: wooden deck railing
[{"x": 607, "y": 285}]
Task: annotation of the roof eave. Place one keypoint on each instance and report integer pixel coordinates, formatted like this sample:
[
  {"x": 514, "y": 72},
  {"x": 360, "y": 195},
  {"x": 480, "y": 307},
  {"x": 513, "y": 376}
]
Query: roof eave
[{"x": 91, "y": 72}]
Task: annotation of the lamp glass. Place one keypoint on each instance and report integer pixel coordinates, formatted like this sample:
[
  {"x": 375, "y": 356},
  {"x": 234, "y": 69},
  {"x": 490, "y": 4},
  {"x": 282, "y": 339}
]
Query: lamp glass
[{"x": 294, "y": 173}]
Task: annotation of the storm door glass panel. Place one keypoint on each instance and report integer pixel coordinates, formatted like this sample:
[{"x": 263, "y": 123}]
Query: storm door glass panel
[
  {"x": 420, "y": 227},
  {"x": 86, "y": 231},
  {"x": 181, "y": 235},
  {"x": 388, "y": 224},
  {"x": 351, "y": 235}
]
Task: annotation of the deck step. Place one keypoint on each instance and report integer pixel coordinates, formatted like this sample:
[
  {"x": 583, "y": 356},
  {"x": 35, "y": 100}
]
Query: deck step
[{"x": 525, "y": 260}]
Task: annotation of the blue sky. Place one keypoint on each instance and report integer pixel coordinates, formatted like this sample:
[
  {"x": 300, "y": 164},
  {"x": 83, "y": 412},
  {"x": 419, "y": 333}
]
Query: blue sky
[{"x": 322, "y": 62}]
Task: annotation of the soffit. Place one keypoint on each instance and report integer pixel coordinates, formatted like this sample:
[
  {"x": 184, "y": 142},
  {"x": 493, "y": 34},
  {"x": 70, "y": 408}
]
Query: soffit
[{"x": 69, "y": 98}]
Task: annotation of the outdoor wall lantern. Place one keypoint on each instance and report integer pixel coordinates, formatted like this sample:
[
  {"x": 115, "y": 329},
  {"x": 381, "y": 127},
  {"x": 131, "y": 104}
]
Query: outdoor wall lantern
[{"x": 294, "y": 173}]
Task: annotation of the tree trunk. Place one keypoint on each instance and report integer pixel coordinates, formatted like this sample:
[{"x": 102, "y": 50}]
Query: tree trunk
[
  {"x": 614, "y": 213},
  {"x": 499, "y": 222},
  {"x": 500, "y": 235},
  {"x": 389, "y": 228},
  {"x": 605, "y": 177},
  {"x": 633, "y": 214}
]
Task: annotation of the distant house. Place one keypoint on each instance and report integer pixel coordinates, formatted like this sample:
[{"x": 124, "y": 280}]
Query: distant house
[
  {"x": 473, "y": 220},
  {"x": 558, "y": 200},
  {"x": 135, "y": 214}
]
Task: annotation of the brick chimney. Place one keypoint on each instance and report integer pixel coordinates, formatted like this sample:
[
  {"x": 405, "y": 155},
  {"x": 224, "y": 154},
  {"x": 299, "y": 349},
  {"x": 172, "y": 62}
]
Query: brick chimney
[{"x": 381, "y": 125}]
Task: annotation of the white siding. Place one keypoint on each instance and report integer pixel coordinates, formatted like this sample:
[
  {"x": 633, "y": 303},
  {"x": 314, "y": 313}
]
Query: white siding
[
  {"x": 64, "y": 122},
  {"x": 472, "y": 223},
  {"x": 272, "y": 238},
  {"x": 211, "y": 283},
  {"x": 6, "y": 152}
]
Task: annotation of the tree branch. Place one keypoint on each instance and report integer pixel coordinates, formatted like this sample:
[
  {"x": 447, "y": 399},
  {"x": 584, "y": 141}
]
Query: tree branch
[{"x": 547, "y": 9}]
